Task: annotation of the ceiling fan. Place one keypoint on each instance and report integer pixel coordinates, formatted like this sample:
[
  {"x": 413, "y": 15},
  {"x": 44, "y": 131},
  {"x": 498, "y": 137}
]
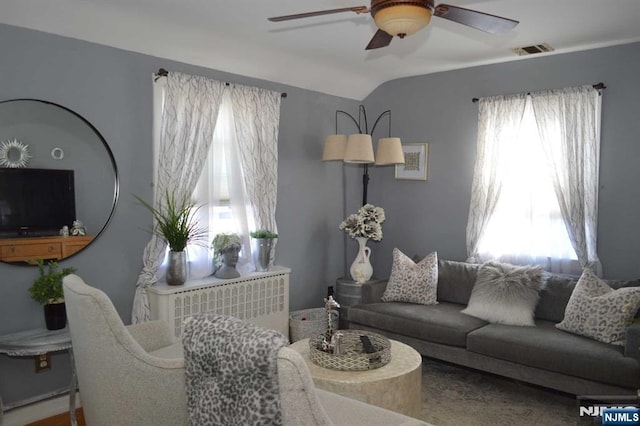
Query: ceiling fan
[{"x": 400, "y": 18}]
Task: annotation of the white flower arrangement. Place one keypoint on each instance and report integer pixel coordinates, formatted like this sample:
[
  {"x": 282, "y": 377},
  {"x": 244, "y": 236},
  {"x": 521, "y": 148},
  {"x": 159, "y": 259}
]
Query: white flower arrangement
[{"x": 366, "y": 223}]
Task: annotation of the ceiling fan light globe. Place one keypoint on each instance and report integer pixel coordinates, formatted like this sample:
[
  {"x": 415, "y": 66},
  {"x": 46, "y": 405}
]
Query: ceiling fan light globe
[{"x": 402, "y": 20}]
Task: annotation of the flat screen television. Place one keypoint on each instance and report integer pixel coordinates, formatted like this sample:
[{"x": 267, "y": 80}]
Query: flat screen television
[{"x": 36, "y": 202}]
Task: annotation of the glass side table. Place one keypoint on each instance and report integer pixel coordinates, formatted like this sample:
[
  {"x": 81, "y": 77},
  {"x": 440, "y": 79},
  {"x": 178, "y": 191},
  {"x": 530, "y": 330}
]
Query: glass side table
[{"x": 35, "y": 342}]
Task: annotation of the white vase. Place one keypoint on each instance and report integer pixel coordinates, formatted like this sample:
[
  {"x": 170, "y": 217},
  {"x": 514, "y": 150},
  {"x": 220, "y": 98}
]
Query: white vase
[{"x": 361, "y": 269}]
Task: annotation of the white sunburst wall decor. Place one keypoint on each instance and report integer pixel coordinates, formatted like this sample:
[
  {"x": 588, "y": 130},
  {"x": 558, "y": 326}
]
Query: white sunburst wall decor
[{"x": 14, "y": 154}]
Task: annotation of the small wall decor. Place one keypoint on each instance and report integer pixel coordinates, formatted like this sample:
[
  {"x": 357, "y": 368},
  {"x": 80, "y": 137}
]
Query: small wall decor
[
  {"x": 14, "y": 154},
  {"x": 416, "y": 160},
  {"x": 57, "y": 153}
]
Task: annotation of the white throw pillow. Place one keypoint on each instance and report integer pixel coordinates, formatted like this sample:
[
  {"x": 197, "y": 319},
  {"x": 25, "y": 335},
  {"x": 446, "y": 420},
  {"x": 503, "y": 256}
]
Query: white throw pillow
[
  {"x": 597, "y": 311},
  {"x": 412, "y": 282},
  {"x": 505, "y": 294}
]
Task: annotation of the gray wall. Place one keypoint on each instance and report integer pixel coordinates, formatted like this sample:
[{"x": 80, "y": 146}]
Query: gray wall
[
  {"x": 437, "y": 108},
  {"x": 112, "y": 89}
]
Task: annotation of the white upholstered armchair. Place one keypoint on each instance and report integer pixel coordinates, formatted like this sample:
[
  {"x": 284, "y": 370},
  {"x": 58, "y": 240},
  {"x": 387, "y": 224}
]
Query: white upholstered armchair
[
  {"x": 134, "y": 375},
  {"x": 126, "y": 375}
]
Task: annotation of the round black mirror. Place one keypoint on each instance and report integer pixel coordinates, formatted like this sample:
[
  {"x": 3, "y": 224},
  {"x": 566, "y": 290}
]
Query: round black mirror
[{"x": 58, "y": 182}]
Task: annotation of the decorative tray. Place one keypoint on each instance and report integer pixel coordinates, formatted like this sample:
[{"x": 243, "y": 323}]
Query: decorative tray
[{"x": 352, "y": 357}]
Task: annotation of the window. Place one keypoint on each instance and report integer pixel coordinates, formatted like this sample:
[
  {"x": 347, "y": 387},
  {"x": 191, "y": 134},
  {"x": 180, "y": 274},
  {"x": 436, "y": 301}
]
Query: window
[
  {"x": 218, "y": 211},
  {"x": 220, "y": 193},
  {"x": 214, "y": 186},
  {"x": 186, "y": 114},
  {"x": 527, "y": 222},
  {"x": 535, "y": 188}
]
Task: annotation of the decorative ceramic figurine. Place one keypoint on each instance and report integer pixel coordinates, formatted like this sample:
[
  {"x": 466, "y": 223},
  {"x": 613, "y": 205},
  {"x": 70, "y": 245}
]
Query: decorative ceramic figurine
[
  {"x": 229, "y": 256},
  {"x": 64, "y": 231},
  {"x": 226, "y": 248},
  {"x": 336, "y": 342},
  {"x": 78, "y": 229},
  {"x": 327, "y": 342}
]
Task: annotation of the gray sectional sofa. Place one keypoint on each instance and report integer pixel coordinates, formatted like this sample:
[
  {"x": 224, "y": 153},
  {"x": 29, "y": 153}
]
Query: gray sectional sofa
[{"x": 542, "y": 355}]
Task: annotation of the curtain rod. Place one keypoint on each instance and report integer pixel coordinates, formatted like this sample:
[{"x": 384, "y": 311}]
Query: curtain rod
[
  {"x": 598, "y": 86},
  {"x": 163, "y": 73}
]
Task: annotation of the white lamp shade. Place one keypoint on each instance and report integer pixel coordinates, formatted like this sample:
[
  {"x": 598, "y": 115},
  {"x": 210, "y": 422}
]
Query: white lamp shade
[
  {"x": 389, "y": 152},
  {"x": 359, "y": 149},
  {"x": 402, "y": 20},
  {"x": 334, "y": 147}
]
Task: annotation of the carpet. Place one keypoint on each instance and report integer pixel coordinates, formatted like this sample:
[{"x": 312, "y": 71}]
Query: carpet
[{"x": 458, "y": 396}]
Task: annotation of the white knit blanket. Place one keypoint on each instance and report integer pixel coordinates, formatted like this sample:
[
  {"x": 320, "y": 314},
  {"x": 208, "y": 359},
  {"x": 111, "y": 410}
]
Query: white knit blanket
[{"x": 231, "y": 372}]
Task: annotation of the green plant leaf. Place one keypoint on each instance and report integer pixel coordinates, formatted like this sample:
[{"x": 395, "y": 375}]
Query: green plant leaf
[
  {"x": 47, "y": 286},
  {"x": 263, "y": 233},
  {"x": 175, "y": 223},
  {"x": 222, "y": 240}
]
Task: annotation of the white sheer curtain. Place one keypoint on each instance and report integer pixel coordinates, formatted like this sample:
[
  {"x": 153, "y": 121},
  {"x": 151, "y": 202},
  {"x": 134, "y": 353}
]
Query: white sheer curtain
[
  {"x": 569, "y": 125},
  {"x": 499, "y": 120},
  {"x": 534, "y": 196},
  {"x": 222, "y": 190},
  {"x": 257, "y": 118},
  {"x": 189, "y": 112},
  {"x": 240, "y": 179}
]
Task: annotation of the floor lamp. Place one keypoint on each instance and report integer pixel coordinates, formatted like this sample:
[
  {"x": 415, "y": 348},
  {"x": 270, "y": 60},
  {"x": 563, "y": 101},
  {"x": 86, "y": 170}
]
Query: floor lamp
[{"x": 358, "y": 147}]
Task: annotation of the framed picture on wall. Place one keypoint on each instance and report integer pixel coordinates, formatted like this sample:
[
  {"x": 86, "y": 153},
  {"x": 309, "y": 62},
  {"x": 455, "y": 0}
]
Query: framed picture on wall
[{"x": 416, "y": 161}]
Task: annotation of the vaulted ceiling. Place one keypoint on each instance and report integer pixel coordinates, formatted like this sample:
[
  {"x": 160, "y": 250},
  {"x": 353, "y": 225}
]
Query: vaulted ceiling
[{"x": 324, "y": 53}]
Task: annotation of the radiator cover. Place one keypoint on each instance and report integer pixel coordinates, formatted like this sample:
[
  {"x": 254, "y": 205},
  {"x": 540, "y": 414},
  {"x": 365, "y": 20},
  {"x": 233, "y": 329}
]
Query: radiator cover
[{"x": 261, "y": 298}]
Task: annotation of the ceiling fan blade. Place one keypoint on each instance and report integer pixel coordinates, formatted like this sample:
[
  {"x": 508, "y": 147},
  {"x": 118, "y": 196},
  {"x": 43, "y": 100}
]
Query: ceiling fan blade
[
  {"x": 380, "y": 39},
  {"x": 472, "y": 18},
  {"x": 356, "y": 9}
]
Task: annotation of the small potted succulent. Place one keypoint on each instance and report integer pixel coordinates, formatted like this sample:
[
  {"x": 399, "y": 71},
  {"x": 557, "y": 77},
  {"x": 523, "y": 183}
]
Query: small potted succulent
[
  {"x": 262, "y": 243},
  {"x": 47, "y": 290}
]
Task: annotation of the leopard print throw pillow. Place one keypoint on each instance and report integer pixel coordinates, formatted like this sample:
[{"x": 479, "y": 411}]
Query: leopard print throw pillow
[
  {"x": 597, "y": 311},
  {"x": 412, "y": 282}
]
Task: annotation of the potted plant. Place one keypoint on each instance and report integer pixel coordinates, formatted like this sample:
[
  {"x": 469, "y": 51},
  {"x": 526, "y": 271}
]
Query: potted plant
[
  {"x": 176, "y": 225},
  {"x": 226, "y": 247},
  {"x": 262, "y": 242},
  {"x": 47, "y": 290}
]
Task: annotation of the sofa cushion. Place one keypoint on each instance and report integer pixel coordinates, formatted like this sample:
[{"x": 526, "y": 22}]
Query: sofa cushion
[
  {"x": 597, "y": 311},
  {"x": 557, "y": 289},
  {"x": 616, "y": 284},
  {"x": 441, "y": 323},
  {"x": 412, "y": 282},
  {"x": 546, "y": 347},
  {"x": 554, "y": 295},
  {"x": 505, "y": 294},
  {"x": 456, "y": 280}
]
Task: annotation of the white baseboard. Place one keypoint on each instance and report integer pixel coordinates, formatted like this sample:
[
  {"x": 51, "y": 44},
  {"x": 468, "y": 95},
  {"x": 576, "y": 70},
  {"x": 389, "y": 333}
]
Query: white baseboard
[{"x": 38, "y": 410}]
